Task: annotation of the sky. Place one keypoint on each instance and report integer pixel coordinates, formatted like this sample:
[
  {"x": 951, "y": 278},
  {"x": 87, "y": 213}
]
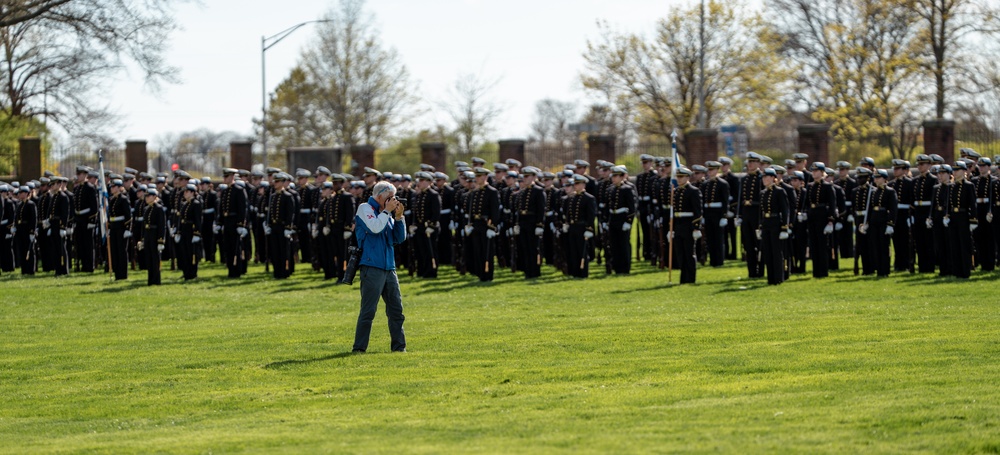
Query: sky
[{"x": 534, "y": 47}]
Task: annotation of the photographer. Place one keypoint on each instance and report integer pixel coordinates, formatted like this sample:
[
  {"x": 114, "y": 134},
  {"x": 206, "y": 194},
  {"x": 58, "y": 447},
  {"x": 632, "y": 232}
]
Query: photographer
[{"x": 379, "y": 226}]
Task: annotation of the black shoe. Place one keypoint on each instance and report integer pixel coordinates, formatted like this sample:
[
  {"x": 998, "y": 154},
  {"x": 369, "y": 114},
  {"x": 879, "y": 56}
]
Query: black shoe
[
  {"x": 358, "y": 351},
  {"x": 399, "y": 350}
]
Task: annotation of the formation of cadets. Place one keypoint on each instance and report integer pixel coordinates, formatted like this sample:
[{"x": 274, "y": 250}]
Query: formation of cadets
[{"x": 937, "y": 218}]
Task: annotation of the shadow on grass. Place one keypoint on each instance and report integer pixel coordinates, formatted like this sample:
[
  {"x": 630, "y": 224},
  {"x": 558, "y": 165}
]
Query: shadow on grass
[{"x": 288, "y": 363}]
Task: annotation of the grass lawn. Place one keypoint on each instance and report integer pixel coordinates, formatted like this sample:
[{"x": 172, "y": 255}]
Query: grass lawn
[{"x": 604, "y": 365}]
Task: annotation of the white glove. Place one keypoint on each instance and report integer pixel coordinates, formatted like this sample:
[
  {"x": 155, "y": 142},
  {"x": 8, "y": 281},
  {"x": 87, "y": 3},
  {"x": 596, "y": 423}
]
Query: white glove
[
  {"x": 565, "y": 228},
  {"x": 91, "y": 225},
  {"x": 48, "y": 232},
  {"x": 173, "y": 231},
  {"x": 989, "y": 217},
  {"x": 468, "y": 229},
  {"x": 587, "y": 235},
  {"x": 696, "y": 235},
  {"x": 889, "y": 230},
  {"x": 828, "y": 229},
  {"x": 972, "y": 227},
  {"x": 517, "y": 230},
  {"x": 490, "y": 233},
  {"x": 13, "y": 230},
  {"x": 429, "y": 231},
  {"x": 909, "y": 222},
  {"x": 783, "y": 235},
  {"x": 759, "y": 234},
  {"x": 658, "y": 224},
  {"x": 730, "y": 214},
  {"x": 452, "y": 225},
  {"x": 850, "y": 218},
  {"x": 946, "y": 221},
  {"x": 552, "y": 227},
  {"x": 195, "y": 239},
  {"x": 739, "y": 221},
  {"x": 216, "y": 228},
  {"x": 724, "y": 222},
  {"x": 315, "y": 233},
  {"x": 670, "y": 235},
  {"x": 803, "y": 217},
  {"x": 267, "y": 230},
  {"x": 288, "y": 233},
  {"x": 160, "y": 247},
  {"x": 413, "y": 230},
  {"x": 242, "y": 231},
  {"x": 604, "y": 226},
  {"x": 8, "y": 236},
  {"x": 62, "y": 233},
  {"x": 45, "y": 224},
  {"x": 838, "y": 226},
  {"x": 139, "y": 245},
  {"x": 621, "y": 210},
  {"x": 929, "y": 223},
  {"x": 863, "y": 229},
  {"x": 347, "y": 235},
  {"x": 626, "y": 227},
  {"x": 539, "y": 231},
  {"x": 127, "y": 234},
  {"x": 326, "y": 230},
  {"x": 177, "y": 238},
  {"x": 69, "y": 231},
  {"x": 31, "y": 237}
]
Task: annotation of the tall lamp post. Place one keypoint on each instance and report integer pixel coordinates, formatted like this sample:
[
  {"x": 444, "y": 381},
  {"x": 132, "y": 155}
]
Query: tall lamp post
[{"x": 267, "y": 42}]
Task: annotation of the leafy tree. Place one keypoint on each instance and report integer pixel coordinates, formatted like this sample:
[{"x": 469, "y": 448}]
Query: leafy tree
[{"x": 473, "y": 109}]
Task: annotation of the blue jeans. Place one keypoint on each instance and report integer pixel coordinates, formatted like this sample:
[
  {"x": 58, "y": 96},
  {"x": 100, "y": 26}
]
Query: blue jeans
[{"x": 376, "y": 282}]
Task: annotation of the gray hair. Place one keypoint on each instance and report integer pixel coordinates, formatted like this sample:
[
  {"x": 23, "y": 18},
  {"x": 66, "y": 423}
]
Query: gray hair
[{"x": 382, "y": 187}]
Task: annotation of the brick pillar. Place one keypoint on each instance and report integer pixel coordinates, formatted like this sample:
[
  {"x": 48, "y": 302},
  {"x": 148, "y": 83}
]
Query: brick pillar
[
  {"x": 939, "y": 138},
  {"x": 362, "y": 156},
  {"x": 136, "y": 156},
  {"x": 601, "y": 147},
  {"x": 512, "y": 148},
  {"x": 435, "y": 154},
  {"x": 29, "y": 164},
  {"x": 814, "y": 140},
  {"x": 241, "y": 155},
  {"x": 701, "y": 145}
]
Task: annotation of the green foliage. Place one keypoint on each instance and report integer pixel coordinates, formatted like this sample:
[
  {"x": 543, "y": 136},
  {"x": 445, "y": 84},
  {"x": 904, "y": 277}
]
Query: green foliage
[
  {"x": 604, "y": 365},
  {"x": 12, "y": 129}
]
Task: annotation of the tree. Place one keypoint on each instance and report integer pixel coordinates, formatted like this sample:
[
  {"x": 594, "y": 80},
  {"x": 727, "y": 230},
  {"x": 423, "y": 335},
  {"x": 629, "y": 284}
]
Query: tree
[
  {"x": 201, "y": 150},
  {"x": 292, "y": 117},
  {"x": 362, "y": 90},
  {"x": 472, "y": 109},
  {"x": 743, "y": 71},
  {"x": 856, "y": 67},
  {"x": 552, "y": 120},
  {"x": 58, "y": 56}
]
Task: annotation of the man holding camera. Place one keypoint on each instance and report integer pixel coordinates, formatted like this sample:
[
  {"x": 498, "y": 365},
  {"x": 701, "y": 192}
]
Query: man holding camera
[{"x": 379, "y": 226}]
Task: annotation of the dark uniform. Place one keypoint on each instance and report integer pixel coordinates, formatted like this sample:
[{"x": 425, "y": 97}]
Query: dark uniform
[
  {"x": 529, "y": 214},
  {"x": 85, "y": 221},
  {"x": 749, "y": 212},
  {"x": 26, "y": 224},
  {"x": 119, "y": 222},
  {"x": 939, "y": 212},
  {"x": 280, "y": 228},
  {"x": 444, "y": 243},
  {"x": 483, "y": 210},
  {"x": 922, "y": 208},
  {"x": 7, "y": 215},
  {"x": 154, "y": 233},
  {"x": 687, "y": 211},
  {"x": 901, "y": 245},
  {"x": 962, "y": 214},
  {"x": 644, "y": 184},
  {"x": 800, "y": 230},
  {"x": 621, "y": 208},
  {"x": 985, "y": 235},
  {"x": 821, "y": 213},
  {"x": 773, "y": 214},
  {"x": 579, "y": 211},
  {"x": 59, "y": 217},
  {"x": 426, "y": 206},
  {"x": 210, "y": 206},
  {"x": 189, "y": 229},
  {"x": 233, "y": 219},
  {"x": 881, "y": 215},
  {"x": 715, "y": 192}
]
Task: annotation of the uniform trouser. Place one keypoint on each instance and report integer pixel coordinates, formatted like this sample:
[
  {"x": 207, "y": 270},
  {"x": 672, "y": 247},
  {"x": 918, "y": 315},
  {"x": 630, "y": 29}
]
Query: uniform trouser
[
  {"x": 324, "y": 254},
  {"x": 685, "y": 257},
  {"x": 25, "y": 251},
  {"x": 715, "y": 239},
  {"x": 246, "y": 251},
  {"x": 549, "y": 245},
  {"x": 231, "y": 249},
  {"x": 58, "y": 252},
  {"x": 941, "y": 245},
  {"x": 644, "y": 224},
  {"x": 278, "y": 252},
  {"x": 260, "y": 242},
  {"x": 901, "y": 241},
  {"x": 377, "y": 283},
  {"x": 985, "y": 245},
  {"x": 620, "y": 253},
  {"x": 7, "y": 263},
  {"x": 800, "y": 242},
  {"x": 960, "y": 246},
  {"x": 819, "y": 247},
  {"x": 305, "y": 243},
  {"x": 771, "y": 254},
  {"x": 575, "y": 251},
  {"x": 119, "y": 253},
  {"x": 208, "y": 240},
  {"x": 426, "y": 249},
  {"x": 153, "y": 262},
  {"x": 444, "y": 242},
  {"x": 995, "y": 226},
  {"x": 187, "y": 257},
  {"x": 751, "y": 246},
  {"x": 481, "y": 249},
  {"x": 862, "y": 251},
  {"x": 731, "y": 240},
  {"x": 83, "y": 240},
  {"x": 43, "y": 250},
  {"x": 878, "y": 248},
  {"x": 924, "y": 241},
  {"x": 527, "y": 250},
  {"x": 846, "y": 240}
]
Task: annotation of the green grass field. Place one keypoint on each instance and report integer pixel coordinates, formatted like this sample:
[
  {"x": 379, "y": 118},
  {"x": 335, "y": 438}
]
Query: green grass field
[{"x": 605, "y": 365}]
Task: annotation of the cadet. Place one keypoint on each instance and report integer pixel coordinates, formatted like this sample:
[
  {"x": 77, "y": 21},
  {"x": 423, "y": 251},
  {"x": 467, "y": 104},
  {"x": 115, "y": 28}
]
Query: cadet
[
  {"x": 962, "y": 221},
  {"x": 210, "y": 202},
  {"x": 447, "y": 194},
  {"x": 748, "y": 213},
  {"x": 985, "y": 235},
  {"x": 939, "y": 214},
  {"x": 621, "y": 207},
  {"x": 800, "y": 229},
  {"x": 24, "y": 231},
  {"x": 154, "y": 230},
  {"x": 773, "y": 216},
  {"x": 529, "y": 215},
  {"x": 715, "y": 193},
  {"x": 426, "y": 207},
  {"x": 820, "y": 216},
  {"x": 85, "y": 220},
  {"x": 280, "y": 225},
  {"x": 56, "y": 224},
  {"x": 233, "y": 219},
  {"x": 579, "y": 211},
  {"x": 879, "y": 221},
  {"x": 687, "y": 211},
  {"x": 644, "y": 187},
  {"x": 483, "y": 211},
  {"x": 902, "y": 184},
  {"x": 189, "y": 232},
  {"x": 923, "y": 192},
  {"x": 120, "y": 232}
]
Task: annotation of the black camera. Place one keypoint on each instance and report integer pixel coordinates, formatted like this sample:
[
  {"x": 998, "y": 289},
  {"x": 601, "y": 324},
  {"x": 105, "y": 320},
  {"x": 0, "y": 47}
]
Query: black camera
[
  {"x": 403, "y": 201},
  {"x": 354, "y": 258}
]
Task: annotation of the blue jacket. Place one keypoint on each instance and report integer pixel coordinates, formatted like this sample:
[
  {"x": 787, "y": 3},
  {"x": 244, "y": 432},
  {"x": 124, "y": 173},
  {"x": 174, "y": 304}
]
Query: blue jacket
[{"x": 377, "y": 232}]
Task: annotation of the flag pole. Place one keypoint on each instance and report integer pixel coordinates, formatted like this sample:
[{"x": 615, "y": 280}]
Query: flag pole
[
  {"x": 103, "y": 196},
  {"x": 673, "y": 187}
]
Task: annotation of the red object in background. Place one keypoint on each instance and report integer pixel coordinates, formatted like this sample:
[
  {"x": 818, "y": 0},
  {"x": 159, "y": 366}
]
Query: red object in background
[{"x": 174, "y": 167}]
